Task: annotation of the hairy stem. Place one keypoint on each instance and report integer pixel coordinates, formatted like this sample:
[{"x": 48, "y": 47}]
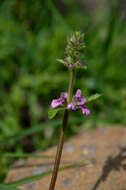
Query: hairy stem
[
  {"x": 61, "y": 140},
  {"x": 70, "y": 90}
]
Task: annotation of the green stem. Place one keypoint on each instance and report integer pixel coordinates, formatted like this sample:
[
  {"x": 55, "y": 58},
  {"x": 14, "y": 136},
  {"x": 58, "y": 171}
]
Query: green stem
[
  {"x": 70, "y": 90},
  {"x": 63, "y": 128}
]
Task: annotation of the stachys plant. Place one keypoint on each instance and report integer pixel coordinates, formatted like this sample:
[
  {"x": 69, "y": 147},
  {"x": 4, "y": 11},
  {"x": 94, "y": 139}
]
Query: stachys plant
[{"x": 67, "y": 101}]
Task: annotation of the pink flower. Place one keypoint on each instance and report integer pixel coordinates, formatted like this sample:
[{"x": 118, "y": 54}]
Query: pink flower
[
  {"x": 85, "y": 110},
  {"x": 78, "y": 102},
  {"x": 60, "y": 101},
  {"x": 71, "y": 105},
  {"x": 79, "y": 63},
  {"x": 70, "y": 65}
]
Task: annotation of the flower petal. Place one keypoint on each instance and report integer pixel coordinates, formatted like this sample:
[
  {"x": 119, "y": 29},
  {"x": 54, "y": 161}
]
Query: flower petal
[
  {"x": 78, "y": 94},
  {"x": 57, "y": 102},
  {"x": 71, "y": 105},
  {"x": 70, "y": 65},
  {"x": 81, "y": 101},
  {"x": 64, "y": 94},
  {"x": 79, "y": 63},
  {"x": 85, "y": 110}
]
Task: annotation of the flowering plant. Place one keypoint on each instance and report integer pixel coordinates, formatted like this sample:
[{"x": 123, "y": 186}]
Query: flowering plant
[{"x": 67, "y": 101}]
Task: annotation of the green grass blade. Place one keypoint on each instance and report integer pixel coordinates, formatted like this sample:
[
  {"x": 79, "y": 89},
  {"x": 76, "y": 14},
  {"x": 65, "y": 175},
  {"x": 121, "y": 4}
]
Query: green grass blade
[
  {"x": 36, "y": 177},
  {"x": 7, "y": 187},
  {"x": 36, "y": 129},
  {"x": 24, "y": 155},
  {"x": 30, "y": 131}
]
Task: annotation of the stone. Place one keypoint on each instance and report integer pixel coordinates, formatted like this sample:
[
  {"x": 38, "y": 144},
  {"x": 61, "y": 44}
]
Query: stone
[
  {"x": 66, "y": 182},
  {"x": 39, "y": 170},
  {"x": 69, "y": 149},
  {"x": 98, "y": 156}
]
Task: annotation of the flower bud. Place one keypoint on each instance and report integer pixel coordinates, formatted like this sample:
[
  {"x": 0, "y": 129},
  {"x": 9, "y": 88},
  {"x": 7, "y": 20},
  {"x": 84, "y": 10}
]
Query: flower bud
[{"x": 73, "y": 51}]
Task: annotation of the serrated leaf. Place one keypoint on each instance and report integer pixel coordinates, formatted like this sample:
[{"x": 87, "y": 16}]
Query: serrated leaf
[
  {"x": 60, "y": 60},
  {"x": 93, "y": 97},
  {"x": 7, "y": 187},
  {"x": 53, "y": 111}
]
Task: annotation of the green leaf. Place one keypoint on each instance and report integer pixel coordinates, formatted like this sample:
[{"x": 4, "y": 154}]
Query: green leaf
[
  {"x": 53, "y": 111},
  {"x": 60, "y": 60},
  {"x": 93, "y": 97},
  {"x": 7, "y": 187},
  {"x": 82, "y": 67}
]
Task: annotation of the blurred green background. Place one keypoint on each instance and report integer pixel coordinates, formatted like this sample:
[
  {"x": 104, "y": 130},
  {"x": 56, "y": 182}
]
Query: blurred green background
[{"x": 33, "y": 34}]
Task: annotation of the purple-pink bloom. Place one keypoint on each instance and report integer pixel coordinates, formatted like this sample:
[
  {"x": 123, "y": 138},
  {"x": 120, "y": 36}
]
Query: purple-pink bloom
[
  {"x": 78, "y": 102},
  {"x": 60, "y": 101},
  {"x": 85, "y": 110},
  {"x": 78, "y": 94},
  {"x": 79, "y": 63},
  {"x": 70, "y": 65},
  {"x": 71, "y": 105},
  {"x": 64, "y": 95}
]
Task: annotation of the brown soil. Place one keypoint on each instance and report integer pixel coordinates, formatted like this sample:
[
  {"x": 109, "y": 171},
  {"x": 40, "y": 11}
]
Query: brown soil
[{"x": 99, "y": 156}]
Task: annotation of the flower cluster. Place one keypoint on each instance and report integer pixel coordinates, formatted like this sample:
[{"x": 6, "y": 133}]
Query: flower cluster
[
  {"x": 73, "y": 51},
  {"x": 75, "y": 45},
  {"x": 78, "y": 101}
]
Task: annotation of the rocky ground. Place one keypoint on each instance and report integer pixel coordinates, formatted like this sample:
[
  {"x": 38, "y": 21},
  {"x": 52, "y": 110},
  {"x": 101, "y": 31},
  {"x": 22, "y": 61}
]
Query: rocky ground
[{"x": 98, "y": 156}]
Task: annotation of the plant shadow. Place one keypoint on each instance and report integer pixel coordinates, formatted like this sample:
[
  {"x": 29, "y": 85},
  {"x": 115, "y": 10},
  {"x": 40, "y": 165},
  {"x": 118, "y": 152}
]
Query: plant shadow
[{"x": 112, "y": 163}]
